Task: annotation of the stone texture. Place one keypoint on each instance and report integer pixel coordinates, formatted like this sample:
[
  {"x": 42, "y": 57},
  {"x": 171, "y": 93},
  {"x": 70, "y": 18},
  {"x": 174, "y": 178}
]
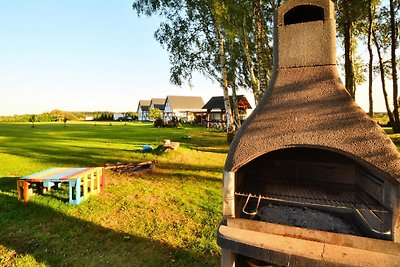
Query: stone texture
[
  {"x": 309, "y": 107},
  {"x": 306, "y": 104},
  {"x": 306, "y": 44}
]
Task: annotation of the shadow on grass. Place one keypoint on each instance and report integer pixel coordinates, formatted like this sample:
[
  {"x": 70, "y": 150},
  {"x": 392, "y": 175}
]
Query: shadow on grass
[
  {"x": 211, "y": 149},
  {"x": 55, "y": 239},
  {"x": 8, "y": 184},
  {"x": 80, "y": 155},
  {"x": 60, "y": 156}
]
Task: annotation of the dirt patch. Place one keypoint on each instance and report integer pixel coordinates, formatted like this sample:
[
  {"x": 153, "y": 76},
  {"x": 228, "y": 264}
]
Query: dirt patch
[
  {"x": 132, "y": 168},
  {"x": 306, "y": 218}
]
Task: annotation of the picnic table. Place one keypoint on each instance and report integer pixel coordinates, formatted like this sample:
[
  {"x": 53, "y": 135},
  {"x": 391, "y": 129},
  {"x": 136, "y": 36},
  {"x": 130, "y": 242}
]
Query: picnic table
[{"x": 82, "y": 182}]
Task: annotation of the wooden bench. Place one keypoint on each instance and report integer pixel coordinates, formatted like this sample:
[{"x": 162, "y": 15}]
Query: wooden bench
[{"x": 82, "y": 182}]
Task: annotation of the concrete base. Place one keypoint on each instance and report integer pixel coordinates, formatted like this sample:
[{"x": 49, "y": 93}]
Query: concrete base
[
  {"x": 228, "y": 258},
  {"x": 293, "y": 246}
]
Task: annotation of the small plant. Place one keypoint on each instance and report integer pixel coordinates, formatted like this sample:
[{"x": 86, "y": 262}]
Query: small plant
[
  {"x": 154, "y": 114},
  {"x": 65, "y": 119},
  {"x": 176, "y": 123},
  {"x": 33, "y": 119},
  {"x": 158, "y": 123}
]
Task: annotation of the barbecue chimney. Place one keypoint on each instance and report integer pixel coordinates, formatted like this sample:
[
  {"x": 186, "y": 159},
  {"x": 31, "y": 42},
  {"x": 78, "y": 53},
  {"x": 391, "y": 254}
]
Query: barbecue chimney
[{"x": 308, "y": 136}]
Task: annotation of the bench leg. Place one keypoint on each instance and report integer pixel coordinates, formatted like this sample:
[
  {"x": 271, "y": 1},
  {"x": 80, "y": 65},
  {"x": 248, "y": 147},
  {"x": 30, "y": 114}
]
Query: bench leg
[
  {"x": 75, "y": 187},
  {"x": 71, "y": 184},
  {"x": 85, "y": 186},
  {"x": 93, "y": 190},
  {"x": 23, "y": 191},
  {"x": 101, "y": 183},
  {"x": 47, "y": 186},
  {"x": 78, "y": 191},
  {"x": 20, "y": 190},
  {"x": 97, "y": 181}
]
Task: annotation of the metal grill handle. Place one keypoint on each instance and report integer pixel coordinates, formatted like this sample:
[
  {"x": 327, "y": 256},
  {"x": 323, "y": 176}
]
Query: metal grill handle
[{"x": 253, "y": 213}]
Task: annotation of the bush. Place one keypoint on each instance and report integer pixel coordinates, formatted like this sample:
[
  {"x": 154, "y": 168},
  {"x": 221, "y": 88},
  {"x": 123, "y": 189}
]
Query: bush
[
  {"x": 158, "y": 123},
  {"x": 176, "y": 123}
]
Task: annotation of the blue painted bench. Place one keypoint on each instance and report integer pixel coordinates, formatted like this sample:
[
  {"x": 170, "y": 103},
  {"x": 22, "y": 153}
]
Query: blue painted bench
[{"x": 82, "y": 182}]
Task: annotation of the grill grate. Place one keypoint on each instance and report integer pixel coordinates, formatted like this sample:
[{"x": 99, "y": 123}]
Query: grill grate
[{"x": 343, "y": 196}]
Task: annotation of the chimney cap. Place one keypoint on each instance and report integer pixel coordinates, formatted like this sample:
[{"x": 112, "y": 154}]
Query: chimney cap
[
  {"x": 299, "y": 11},
  {"x": 305, "y": 35}
]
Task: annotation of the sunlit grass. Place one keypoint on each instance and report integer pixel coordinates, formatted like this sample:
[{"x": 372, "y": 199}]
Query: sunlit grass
[{"x": 165, "y": 218}]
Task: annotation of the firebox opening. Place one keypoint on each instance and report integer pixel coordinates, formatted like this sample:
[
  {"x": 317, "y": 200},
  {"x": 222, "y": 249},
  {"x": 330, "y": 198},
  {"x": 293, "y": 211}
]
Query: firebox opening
[
  {"x": 303, "y": 13},
  {"x": 295, "y": 180}
]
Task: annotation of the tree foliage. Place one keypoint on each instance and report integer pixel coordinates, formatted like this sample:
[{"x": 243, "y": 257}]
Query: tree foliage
[
  {"x": 155, "y": 113},
  {"x": 230, "y": 42}
]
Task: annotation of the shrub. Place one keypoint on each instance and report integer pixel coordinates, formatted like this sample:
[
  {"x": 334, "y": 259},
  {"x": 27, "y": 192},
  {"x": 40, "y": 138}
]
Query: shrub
[
  {"x": 176, "y": 123},
  {"x": 158, "y": 123}
]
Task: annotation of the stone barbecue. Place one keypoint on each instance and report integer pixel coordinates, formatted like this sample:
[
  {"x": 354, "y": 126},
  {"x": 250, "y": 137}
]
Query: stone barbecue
[{"x": 310, "y": 179}]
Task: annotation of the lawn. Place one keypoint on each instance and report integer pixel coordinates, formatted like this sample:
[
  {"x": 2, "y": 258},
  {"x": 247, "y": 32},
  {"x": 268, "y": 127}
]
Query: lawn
[{"x": 166, "y": 218}]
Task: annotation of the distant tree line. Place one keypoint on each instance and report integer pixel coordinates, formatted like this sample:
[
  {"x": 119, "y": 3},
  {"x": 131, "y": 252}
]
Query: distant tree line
[{"x": 63, "y": 116}]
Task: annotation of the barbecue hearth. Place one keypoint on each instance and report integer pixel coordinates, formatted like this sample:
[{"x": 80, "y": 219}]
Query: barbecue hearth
[{"x": 309, "y": 147}]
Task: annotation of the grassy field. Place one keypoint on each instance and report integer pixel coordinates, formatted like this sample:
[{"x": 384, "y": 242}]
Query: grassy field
[{"x": 166, "y": 218}]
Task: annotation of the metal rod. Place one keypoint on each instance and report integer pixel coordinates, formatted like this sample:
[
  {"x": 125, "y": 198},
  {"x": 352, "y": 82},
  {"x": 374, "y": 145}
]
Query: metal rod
[{"x": 253, "y": 213}]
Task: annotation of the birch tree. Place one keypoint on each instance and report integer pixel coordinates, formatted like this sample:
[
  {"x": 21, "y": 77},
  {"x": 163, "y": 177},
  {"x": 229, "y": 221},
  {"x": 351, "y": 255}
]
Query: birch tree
[
  {"x": 394, "y": 36},
  {"x": 349, "y": 15},
  {"x": 192, "y": 34}
]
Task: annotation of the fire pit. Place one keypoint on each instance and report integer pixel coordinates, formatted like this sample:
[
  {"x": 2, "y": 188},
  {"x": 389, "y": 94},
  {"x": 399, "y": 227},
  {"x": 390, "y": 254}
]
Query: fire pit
[{"x": 309, "y": 149}]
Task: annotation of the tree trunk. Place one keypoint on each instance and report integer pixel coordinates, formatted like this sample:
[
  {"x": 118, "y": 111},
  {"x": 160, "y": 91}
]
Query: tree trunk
[
  {"x": 396, "y": 126},
  {"x": 235, "y": 106},
  {"x": 348, "y": 52},
  {"x": 382, "y": 72},
  {"x": 371, "y": 58},
  {"x": 230, "y": 127},
  {"x": 255, "y": 84},
  {"x": 232, "y": 82},
  {"x": 259, "y": 44}
]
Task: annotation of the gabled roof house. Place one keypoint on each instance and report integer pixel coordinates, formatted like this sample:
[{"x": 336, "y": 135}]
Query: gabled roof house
[
  {"x": 143, "y": 110},
  {"x": 216, "y": 108},
  {"x": 158, "y": 103},
  {"x": 186, "y": 108}
]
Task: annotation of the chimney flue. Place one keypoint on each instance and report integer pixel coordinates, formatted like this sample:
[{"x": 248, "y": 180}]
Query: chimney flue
[{"x": 306, "y": 34}]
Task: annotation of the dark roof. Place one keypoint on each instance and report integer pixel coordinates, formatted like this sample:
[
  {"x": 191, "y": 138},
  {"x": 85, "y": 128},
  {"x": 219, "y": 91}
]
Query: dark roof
[
  {"x": 144, "y": 104},
  {"x": 217, "y": 102},
  {"x": 185, "y": 102},
  {"x": 158, "y": 103}
]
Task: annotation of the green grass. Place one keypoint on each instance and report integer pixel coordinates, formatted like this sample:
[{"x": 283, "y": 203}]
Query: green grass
[
  {"x": 394, "y": 136},
  {"x": 166, "y": 218}
]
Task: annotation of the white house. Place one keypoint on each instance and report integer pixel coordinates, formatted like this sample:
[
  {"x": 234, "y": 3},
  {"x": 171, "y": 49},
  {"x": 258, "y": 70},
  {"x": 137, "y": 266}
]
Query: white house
[
  {"x": 216, "y": 108},
  {"x": 186, "y": 108},
  {"x": 158, "y": 103},
  {"x": 143, "y": 110}
]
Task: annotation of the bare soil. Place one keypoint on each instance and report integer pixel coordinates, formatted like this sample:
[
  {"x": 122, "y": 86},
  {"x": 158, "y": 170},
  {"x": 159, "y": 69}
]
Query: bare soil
[{"x": 132, "y": 168}]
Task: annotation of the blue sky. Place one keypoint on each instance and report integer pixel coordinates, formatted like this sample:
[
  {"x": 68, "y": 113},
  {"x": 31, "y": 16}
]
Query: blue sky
[{"x": 83, "y": 56}]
